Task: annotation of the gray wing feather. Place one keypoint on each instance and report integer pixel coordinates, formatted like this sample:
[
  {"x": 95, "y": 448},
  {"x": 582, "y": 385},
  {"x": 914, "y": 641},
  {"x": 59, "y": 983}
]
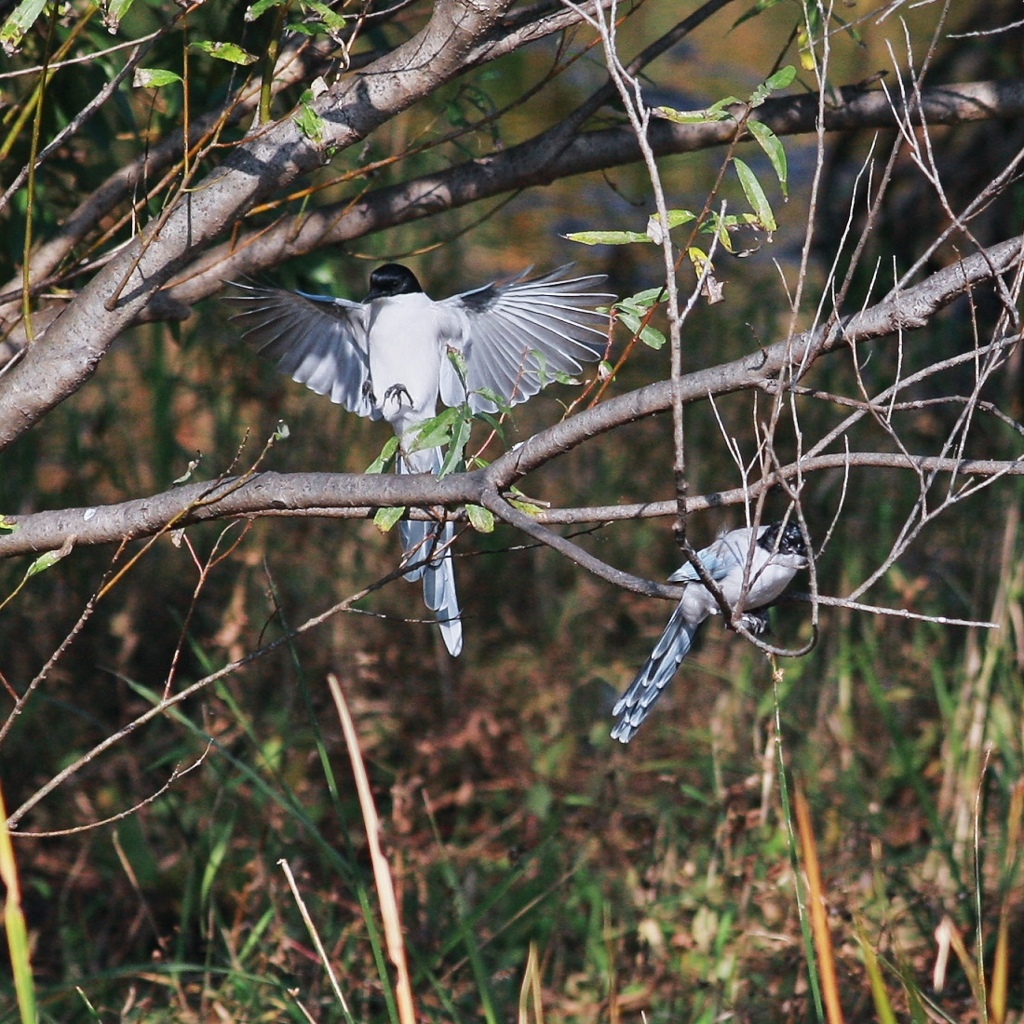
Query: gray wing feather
[
  {"x": 719, "y": 558},
  {"x": 517, "y": 336},
  {"x": 316, "y": 340}
]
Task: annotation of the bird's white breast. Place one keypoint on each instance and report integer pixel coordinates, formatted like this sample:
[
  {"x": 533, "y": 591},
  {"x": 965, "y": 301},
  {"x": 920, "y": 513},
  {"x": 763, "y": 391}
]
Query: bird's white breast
[{"x": 404, "y": 353}]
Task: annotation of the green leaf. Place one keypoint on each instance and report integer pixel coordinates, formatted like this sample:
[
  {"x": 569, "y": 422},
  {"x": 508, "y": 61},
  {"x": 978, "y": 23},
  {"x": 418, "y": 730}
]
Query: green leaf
[
  {"x": 676, "y": 217},
  {"x": 720, "y": 228},
  {"x": 699, "y": 259},
  {"x": 644, "y": 299},
  {"x": 491, "y": 420},
  {"x": 387, "y": 453},
  {"x": 189, "y": 471},
  {"x": 716, "y": 112},
  {"x": 231, "y": 52},
  {"x": 607, "y": 237},
  {"x": 455, "y": 116},
  {"x": 630, "y": 320},
  {"x": 780, "y": 80},
  {"x": 21, "y": 19},
  {"x": 154, "y": 78},
  {"x": 755, "y": 195},
  {"x": 15, "y": 930},
  {"x": 759, "y": 8},
  {"x": 480, "y": 518},
  {"x": 542, "y": 367},
  {"x": 650, "y": 336},
  {"x": 46, "y": 561},
  {"x": 722, "y": 225},
  {"x": 308, "y": 121},
  {"x": 219, "y": 839},
  {"x": 684, "y": 116},
  {"x": 386, "y": 518},
  {"x": 632, "y": 311},
  {"x": 334, "y": 23},
  {"x": 458, "y": 360},
  {"x": 115, "y": 11},
  {"x": 769, "y": 142},
  {"x": 5, "y": 524},
  {"x": 437, "y": 431},
  {"x": 500, "y": 401},
  {"x": 456, "y": 454},
  {"x": 803, "y": 42},
  {"x": 525, "y": 506},
  {"x": 253, "y": 11}
]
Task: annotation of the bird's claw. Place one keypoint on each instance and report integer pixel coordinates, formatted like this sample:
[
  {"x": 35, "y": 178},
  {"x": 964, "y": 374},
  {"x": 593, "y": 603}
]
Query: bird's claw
[
  {"x": 368, "y": 392},
  {"x": 396, "y": 393},
  {"x": 756, "y": 622}
]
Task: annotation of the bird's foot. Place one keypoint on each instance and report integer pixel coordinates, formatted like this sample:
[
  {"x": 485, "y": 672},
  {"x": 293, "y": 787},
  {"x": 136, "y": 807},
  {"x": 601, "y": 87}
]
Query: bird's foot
[
  {"x": 396, "y": 393},
  {"x": 756, "y": 622},
  {"x": 368, "y": 392}
]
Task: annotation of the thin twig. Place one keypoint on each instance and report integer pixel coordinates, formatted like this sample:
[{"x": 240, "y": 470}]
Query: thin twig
[{"x": 314, "y": 935}]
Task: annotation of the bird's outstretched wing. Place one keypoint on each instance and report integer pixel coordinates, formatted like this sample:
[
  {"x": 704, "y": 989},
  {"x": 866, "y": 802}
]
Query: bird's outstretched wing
[
  {"x": 518, "y": 336},
  {"x": 318, "y": 340}
]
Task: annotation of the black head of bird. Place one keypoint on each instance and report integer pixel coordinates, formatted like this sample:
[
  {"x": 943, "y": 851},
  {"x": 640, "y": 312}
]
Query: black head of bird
[{"x": 392, "y": 279}]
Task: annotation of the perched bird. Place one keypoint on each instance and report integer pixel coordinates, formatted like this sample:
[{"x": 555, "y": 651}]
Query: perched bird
[
  {"x": 387, "y": 358},
  {"x": 779, "y": 553}
]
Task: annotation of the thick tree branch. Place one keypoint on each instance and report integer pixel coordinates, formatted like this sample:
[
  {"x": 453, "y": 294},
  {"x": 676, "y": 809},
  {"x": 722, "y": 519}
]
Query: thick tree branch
[
  {"x": 547, "y": 158},
  {"x": 57, "y": 365},
  {"x": 256, "y": 494},
  {"x": 773, "y": 367},
  {"x": 295, "y": 65},
  {"x": 358, "y": 496},
  {"x": 784, "y": 361},
  {"x": 740, "y": 495}
]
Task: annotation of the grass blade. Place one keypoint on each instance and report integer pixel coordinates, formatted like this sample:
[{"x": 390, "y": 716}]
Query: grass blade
[
  {"x": 381, "y": 871},
  {"x": 530, "y": 992},
  {"x": 879, "y": 993},
  {"x": 816, "y": 904},
  {"x": 315, "y": 936},
  {"x": 14, "y": 925}
]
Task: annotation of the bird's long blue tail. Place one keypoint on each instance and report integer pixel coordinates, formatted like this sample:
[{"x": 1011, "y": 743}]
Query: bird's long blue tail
[
  {"x": 419, "y": 539},
  {"x": 636, "y": 703}
]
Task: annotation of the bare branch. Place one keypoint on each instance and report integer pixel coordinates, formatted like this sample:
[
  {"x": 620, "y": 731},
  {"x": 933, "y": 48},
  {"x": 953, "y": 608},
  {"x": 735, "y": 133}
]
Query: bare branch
[
  {"x": 276, "y": 494},
  {"x": 547, "y": 158},
  {"x": 176, "y": 774},
  {"x": 69, "y": 352},
  {"x": 356, "y": 496},
  {"x": 899, "y": 613}
]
